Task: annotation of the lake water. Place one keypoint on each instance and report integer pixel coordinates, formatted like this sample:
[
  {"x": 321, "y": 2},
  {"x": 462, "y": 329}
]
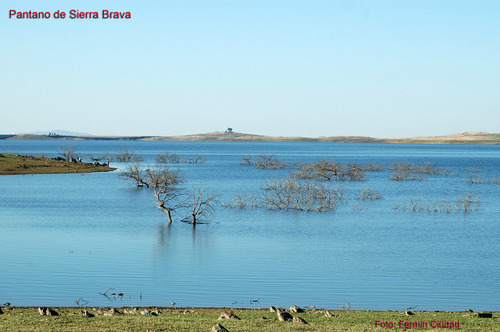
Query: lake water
[{"x": 72, "y": 236}]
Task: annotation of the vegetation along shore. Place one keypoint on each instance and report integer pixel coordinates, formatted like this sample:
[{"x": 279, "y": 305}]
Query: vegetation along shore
[
  {"x": 11, "y": 164},
  {"x": 223, "y": 319}
]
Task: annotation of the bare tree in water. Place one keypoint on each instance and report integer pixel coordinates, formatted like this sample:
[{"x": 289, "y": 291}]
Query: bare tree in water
[
  {"x": 202, "y": 204},
  {"x": 136, "y": 174},
  {"x": 165, "y": 183}
]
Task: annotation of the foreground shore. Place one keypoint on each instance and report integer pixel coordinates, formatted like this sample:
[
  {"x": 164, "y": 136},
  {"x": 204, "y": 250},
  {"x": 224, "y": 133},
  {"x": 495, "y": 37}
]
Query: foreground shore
[{"x": 206, "y": 319}]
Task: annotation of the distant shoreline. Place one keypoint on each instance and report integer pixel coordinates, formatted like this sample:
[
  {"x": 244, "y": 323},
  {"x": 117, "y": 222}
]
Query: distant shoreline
[{"x": 460, "y": 138}]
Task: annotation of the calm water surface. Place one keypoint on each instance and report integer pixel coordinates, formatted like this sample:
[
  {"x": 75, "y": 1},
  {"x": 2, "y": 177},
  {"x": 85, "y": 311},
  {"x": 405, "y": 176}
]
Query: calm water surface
[{"x": 65, "y": 237}]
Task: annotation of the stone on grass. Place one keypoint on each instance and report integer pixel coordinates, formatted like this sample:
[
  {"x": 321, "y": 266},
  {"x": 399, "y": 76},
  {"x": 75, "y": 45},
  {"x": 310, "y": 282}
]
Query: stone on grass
[
  {"x": 328, "y": 314},
  {"x": 131, "y": 311},
  {"x": 484, "y": 314},
  {"x": 51, "y": 312},
  {"x": 300, "y": 320},
  {"x": 228, "y": 315},
  {"x": 85, "y": 313},
  {"x": 112, "y": 312},
  {"x": 219, "y": 328},
  {"x": 294, "y": 308},
  {"x": 284, "y": 316},
  {"x": 272, "y": 309},
  {"x": 43, "y": 311}
]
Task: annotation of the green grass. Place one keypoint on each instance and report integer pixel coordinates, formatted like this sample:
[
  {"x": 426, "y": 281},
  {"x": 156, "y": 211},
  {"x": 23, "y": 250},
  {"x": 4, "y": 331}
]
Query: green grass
[
  {"x": 202, "y": 319},
  {"x": 15, "y": 164}
]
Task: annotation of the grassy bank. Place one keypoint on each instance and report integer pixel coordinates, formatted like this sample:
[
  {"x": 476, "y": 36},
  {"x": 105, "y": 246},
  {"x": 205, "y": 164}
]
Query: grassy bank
[
  {"x": 203, "y": 319},
  {"x": 16, "y": 164}
]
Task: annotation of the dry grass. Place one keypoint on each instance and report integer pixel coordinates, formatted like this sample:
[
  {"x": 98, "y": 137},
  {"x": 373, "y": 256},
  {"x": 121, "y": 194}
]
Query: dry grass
[{"x": 203, "y": 319}]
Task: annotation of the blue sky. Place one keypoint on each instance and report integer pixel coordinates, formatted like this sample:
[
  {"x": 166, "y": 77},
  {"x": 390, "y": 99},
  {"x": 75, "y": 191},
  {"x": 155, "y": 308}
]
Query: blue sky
[{"x": 312, "y": 68}]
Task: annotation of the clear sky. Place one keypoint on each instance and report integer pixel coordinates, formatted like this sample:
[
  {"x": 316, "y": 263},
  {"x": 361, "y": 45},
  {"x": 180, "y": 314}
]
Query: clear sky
[{"x": 382, "y": 68}]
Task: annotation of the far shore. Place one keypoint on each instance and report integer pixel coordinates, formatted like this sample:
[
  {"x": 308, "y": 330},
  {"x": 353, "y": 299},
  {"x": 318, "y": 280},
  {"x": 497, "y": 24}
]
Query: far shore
[{"x": 460, "y": 138}]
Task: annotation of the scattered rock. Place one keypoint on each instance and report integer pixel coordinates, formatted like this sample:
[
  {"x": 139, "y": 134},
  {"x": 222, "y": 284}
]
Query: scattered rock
[
  {"x": 219, "y": 328},
  {"x": 43, "y": 311},
  {"x": 99, "y": 311},
  {"x": 300, "y": 320},
  {"x": 51, "y": 312},
  {"x": 469, "y": 310},
  {"x": 294, "y": 308},
  {"x": 409, "y": 313},
  {"x": 272, "y": 309},
  {"x": 85, "y": 313},
  {"x": 484, "y": 314},
  {"x": 186, "y": 311},
  {"x": 131, "y": 311},
  {"x": 108, "y": 312},
  {"x": 226, "y": 315},
  {"x": 328, "y": 314},
  {"x": 284, "y": 316}
]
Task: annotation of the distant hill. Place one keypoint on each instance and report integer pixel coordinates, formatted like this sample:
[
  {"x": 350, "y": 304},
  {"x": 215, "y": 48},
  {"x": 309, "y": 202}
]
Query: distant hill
[
  {"x": 461, "y": 138},
  {"x": 228, "y": 136}
]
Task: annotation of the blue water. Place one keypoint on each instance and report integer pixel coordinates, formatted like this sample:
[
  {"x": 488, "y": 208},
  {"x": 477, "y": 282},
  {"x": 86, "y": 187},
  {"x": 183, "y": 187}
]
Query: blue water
[{"x": 71, "y": 236}]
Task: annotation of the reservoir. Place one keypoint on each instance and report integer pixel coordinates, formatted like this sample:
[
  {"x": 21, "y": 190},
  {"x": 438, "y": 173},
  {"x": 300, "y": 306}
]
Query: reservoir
[{"x": 94, "y": 239}]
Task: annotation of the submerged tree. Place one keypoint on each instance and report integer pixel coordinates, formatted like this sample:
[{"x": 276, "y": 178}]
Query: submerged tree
[
  {"x": 291, "y": 194},
  {"x": 127, "y": 156},
  {"x": 165, "y": 183},
  {"x": 170, "y": 195},
  {"x": 263, "y": 162},
  {"x": 202, "y": 204},
  {"x": 331, "y": 170},
  {"x": 135, "y": 174}
]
